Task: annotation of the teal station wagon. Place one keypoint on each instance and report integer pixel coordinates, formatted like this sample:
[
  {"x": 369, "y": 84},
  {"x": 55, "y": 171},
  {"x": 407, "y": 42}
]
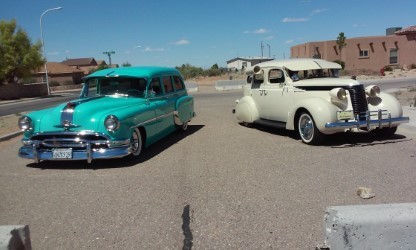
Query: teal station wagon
[{"x": 119, "y": 112}]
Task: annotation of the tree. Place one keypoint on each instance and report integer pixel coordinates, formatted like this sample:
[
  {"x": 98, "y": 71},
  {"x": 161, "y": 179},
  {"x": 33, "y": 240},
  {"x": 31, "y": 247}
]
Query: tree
[
  {"x": 18, "y": 56},
  {"x": 341, "y": 43},
  {"x": 126, "y": 64}
]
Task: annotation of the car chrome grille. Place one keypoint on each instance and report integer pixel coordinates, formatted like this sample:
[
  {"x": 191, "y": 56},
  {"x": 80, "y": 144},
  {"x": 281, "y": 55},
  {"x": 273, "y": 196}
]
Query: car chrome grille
[
  {"x": 358, "y": 99},
  {"x": 70, "y": 140}
]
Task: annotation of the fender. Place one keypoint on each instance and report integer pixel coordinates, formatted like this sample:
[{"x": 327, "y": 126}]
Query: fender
[
  {"x": 386, "y": 101},
  {"x": 184, "y": 110},
  {"x": 321, "y": 110},
  {"x": 246, "y": 110}
]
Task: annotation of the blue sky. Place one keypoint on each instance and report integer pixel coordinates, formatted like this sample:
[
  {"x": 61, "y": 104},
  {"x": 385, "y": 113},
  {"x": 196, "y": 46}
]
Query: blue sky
[{"x": 201, "y": 33}]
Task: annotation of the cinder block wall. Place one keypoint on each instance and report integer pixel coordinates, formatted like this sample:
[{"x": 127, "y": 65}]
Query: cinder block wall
[{"x": 16, "y": 91}]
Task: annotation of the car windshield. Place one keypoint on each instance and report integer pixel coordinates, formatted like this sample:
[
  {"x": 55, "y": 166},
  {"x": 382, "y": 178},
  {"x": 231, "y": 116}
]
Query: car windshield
[
  {"x": 316, "y": 73},
  {"x": 127, "y": 87}
]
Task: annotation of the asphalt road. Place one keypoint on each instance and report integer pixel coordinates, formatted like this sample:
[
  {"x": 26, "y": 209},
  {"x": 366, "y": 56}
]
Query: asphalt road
[
  {"x": 218, "y": 186},
  {"x": 31, "y": 104}
]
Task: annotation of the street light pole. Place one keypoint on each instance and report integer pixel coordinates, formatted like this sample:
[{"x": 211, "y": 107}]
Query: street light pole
[
  {"x": 108, "y": 53},
  {"x": 43, "y": 45}
]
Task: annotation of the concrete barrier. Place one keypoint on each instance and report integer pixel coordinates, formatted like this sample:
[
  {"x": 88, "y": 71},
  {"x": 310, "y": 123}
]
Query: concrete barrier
[
  {"x": 229, "y": 84},
  {"x": 386, "y": 226},
  {"x": 13, "y": 237},
  {"x": 191, "y": 86}
]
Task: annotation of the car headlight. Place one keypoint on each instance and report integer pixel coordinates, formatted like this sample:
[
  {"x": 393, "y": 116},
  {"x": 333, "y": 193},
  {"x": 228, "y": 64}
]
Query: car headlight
[
  {"x": 111, "y": 123},
  {"x": 25, "y": 123},
  {"x": 372, "y": 90},
  {"x": 339, "y": 93}
]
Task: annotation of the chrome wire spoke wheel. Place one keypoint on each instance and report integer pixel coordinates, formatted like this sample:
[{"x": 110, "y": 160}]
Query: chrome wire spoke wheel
[
  {"x": 184, "y": 126},
  {"x": 306, "y": 127},
  {"x": 136, "y": 143}
]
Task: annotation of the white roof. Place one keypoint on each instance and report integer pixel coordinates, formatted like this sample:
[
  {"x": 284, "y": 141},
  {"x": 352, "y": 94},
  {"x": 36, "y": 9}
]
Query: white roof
[{"x": 300, "y": 64}]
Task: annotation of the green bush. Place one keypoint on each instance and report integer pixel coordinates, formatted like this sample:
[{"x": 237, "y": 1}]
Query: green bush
[{"x": 342, "y": 63}]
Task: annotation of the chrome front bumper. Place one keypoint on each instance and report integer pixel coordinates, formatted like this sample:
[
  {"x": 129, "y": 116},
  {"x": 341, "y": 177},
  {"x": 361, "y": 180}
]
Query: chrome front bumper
[
  {"x": 82, "y": 149},
  {"x": 367, "y": 121}
]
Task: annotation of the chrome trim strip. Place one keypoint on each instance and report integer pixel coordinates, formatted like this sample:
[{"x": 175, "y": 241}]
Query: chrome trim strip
[{"x": 365, "y": 123}]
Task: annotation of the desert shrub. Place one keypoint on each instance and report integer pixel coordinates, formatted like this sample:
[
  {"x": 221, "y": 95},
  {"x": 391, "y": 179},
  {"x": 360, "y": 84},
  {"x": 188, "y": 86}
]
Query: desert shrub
[
  {"x": 68, "y": 82},
  {"x": 388, "y": 68},
  {"x": 413, "y": 66},
  {"x": 54, "y": 83}
]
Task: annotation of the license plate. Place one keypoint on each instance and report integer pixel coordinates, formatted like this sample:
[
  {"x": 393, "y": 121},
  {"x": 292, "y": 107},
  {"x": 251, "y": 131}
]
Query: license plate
[
  {"x": 62, "y": 153},
  {"x": 345, "y": 115}
]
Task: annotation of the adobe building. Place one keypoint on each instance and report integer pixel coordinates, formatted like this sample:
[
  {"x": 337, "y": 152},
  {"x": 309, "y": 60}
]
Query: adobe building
[{"x": 397, "y": 49}]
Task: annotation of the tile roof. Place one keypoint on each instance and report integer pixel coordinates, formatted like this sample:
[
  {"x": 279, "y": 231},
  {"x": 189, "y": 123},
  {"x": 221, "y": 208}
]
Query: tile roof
[
  {"x": 406, "y": 31},
  {"x": 58, "y": 68},
  {"x": 80, "y": 62}
]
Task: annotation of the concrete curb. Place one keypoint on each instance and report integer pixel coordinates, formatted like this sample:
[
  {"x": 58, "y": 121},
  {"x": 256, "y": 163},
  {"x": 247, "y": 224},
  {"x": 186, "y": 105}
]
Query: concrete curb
[
  {"x": 15, "y": 237},
  {"x": 9, "y": 136},
  {"x": 385, "y": 226}
]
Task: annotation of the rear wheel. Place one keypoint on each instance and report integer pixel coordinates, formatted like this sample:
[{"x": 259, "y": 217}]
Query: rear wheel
[
  {"x": 307, "y": 129},
  {"x": 183, "y": 127},
  {"x": 136, "y": 143}
]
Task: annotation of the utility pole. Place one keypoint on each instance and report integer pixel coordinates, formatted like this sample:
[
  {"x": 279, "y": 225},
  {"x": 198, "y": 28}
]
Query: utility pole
[
  {"x": 268, "y": 45},
  {"x": 108, "y": 53},
  {"x": 261, "y": 46}
]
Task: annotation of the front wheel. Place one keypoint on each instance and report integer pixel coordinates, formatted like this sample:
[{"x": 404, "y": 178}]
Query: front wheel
[
  {"x": 136, "y": 143},
  {"x": 307, "y": 129},
  {"x": 385, "y": 133}
]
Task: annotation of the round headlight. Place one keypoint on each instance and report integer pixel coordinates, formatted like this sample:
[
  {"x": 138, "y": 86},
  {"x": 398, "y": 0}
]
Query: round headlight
[
  {"x": 25, "y": 123},
  {"x": 338, "y": 93},
  {"x": 373, "y": 90},
  {"x": 111, "y": 123},
  {"x": 341, "y": 94}
]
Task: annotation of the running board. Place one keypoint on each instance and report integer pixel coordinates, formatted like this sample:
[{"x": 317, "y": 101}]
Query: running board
[{"x": 270, "y": 123}]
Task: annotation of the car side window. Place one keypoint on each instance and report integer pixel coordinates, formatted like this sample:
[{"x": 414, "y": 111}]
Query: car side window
[
  {"x": 155, "y": 88},
  {"x": 167, "y": 84},
  {"x": 178, "y": 83},
  {"x": 276, "y": 76},
  {"x": 257, "y": 80}
]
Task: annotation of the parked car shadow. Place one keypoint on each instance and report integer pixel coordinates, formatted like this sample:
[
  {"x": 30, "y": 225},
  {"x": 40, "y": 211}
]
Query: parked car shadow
[
  {"x": 341, "y": 140},
  {"x": 146, "y": 155}
]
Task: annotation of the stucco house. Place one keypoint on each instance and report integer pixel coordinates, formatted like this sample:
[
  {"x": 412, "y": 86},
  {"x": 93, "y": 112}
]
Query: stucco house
[
  {"x": 240, "y": 63},
  {"x": 397, "y": 49},
  {"x": 60, "y": 73}
]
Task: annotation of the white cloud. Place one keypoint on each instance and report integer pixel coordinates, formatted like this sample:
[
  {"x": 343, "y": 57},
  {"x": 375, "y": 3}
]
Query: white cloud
[
  {"x": 54, "y": 53},
  {"x": 182, "y": 42},
  {"x": 258, "y": 31},
  {"x": 318, "y": 11},
  {"x": 294, "y": 20},
  {"x": 289, "y": 41},
  {"x": 67, "y": 51},
  {"x": 148, "y": 49},
  {"x": 269, "y": 38}
]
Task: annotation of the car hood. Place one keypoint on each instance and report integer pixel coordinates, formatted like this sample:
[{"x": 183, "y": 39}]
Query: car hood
[
  {"x": 82, "y": 114},
  {"x": 330, "y": 82}
]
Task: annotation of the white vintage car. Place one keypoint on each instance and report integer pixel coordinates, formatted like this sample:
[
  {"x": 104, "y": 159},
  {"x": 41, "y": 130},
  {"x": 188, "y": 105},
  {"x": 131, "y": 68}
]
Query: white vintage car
[{"x": 307, "y": 95}]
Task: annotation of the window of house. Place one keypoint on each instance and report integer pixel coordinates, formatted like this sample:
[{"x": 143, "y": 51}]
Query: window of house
[
  {"x": 363, "y": 53},
  {"x": 393, "y": 59}
]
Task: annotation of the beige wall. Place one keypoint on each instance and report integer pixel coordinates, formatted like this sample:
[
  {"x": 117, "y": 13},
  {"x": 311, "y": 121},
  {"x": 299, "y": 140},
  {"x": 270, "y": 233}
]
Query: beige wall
[{"x": 378, "y": 48}]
